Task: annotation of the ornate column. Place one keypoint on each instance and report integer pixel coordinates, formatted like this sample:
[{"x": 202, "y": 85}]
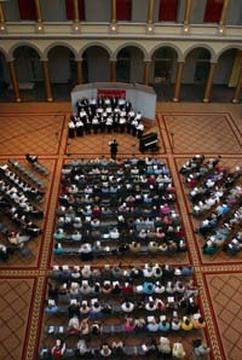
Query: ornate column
[
  {"x": 150, "y": 12},
  {"x": 209, "y": 84},
  {"x": 114, "y": 11},
  {"x": 146, "y": 72},
  {"x": 113, "y": 70},
  {"x": 38, "y": 10},
  {"x": 2, "y": 15},
  {"x": 187, "y": 12},
  {"x": 76, "y": 11},
  {"x": 236, "y": 97},
  {"x": 48, "y": 90},
  {"x": 79, "y": 74},
  {"x": 224, "y": 13},
  {"x": 177, "y": 89},
  {"x": 14, "y": 80}
]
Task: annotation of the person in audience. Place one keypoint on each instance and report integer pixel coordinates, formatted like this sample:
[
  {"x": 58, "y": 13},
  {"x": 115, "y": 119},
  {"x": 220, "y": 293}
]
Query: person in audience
[
  {"x": 58, "y": 349},
  {"x": 200, "y": 349}
]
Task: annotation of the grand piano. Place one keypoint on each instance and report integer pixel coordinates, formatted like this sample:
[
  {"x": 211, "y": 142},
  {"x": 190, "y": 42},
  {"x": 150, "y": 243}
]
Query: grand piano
[{"x": 149, "y": 142}]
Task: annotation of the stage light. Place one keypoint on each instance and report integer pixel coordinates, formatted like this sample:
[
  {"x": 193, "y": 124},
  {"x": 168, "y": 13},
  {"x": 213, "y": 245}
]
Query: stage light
[
  {"x": 150, "y": 28},
  {"x": 113, "y": 28}
]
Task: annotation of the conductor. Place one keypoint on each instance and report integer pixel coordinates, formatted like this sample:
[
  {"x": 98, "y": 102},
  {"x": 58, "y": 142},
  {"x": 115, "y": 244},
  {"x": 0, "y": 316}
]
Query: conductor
[{"x": 113, "y": 148}]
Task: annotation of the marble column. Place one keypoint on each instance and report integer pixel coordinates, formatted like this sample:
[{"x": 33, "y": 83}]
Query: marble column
[
  {"x": 14, "y": 80},
  {"x": 48, "y": 89},
  {"x": 179, "y": 71},
  {"x": 209, "y": 83}
]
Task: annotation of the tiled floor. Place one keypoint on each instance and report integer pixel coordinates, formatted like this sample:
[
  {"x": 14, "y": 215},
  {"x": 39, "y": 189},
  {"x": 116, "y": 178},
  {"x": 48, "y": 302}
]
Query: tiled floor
[{"x": 184, "y": 129}]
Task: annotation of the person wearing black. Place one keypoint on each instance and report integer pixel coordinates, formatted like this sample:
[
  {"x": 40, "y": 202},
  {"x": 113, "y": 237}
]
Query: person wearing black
[
  {"x": 31, "y": 158},
  {"x": 113, "y": 149}
]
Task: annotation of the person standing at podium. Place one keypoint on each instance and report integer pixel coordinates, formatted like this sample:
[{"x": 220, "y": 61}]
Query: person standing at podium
[{"x": 113, "y": 148}]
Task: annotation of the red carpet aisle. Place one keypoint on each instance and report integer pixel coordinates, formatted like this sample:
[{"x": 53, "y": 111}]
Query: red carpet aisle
[{"x": 183, "y": 130}]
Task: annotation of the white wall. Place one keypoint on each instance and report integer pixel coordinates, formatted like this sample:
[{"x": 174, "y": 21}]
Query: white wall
[
  {"x": 59, "y": 65},
  {"x": 11, "y": 10},
  {"x": 198, "y": 11},
  {"x": 98, "y": 10},
  {"x": 53, "y": 10},
  {"x": 98, "y": 65},
  {"x": 139, "y": 10}
]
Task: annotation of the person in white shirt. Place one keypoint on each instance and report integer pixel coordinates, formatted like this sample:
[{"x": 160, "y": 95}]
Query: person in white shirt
[{"x": 140, "y": 130}]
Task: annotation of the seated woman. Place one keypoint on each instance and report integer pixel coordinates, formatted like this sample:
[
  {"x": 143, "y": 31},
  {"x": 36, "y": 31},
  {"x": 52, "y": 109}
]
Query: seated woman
[
  {"x": 186, "y": 324},
  {"x": 129, "y": 325},
  {"x": 105, "y": 351},
  {"x": 198, "y": 321},
  {"x": 178, "y": 351},
  {"x": 58, "y": 249},
  {"x": 73, "y": 325},
  {"x": 81, "y": 348},
  {"x": 164, "y": 324},
  {"x": 152, "y": 324},
  {"x": 59, "y": 234},
  {"x": 58, "y": 349},
  {"x": 164, "y": 346}
]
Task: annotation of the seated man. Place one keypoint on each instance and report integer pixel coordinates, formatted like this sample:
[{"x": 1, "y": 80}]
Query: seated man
[{"x": 31, "y": 158}]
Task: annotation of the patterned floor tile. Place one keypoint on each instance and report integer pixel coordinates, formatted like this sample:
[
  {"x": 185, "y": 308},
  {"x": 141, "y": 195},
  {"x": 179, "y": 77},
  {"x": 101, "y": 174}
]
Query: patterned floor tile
[
  {"x": 98, "y": 144},
  {"x": 18, "y": 132},
  {"x": 226, "y": 293},
  {"x": 201, "y": 133},
  {"x": 15, "y": 302}
]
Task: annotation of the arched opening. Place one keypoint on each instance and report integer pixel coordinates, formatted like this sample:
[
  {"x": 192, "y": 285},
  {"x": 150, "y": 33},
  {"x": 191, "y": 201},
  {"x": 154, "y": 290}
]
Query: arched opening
[
  {"x": 163, "y": 72},
  {"x": 130, "y": 65},
  {"x": 226, "y": 75},
  {"x": 29, "y": 73},
  {"x": 195, "y": 74},
  {"x": 62, "y": 69},
  {"x": 95, "y": 65},
  {"x": 5, "y": 82}
]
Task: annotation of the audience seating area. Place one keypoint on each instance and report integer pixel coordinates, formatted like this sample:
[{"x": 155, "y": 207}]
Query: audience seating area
[
  {"x": 21, "y": 195},
  {"x": 105, "y": 114},
  {"x": 117, "y": 208},
  {"x": 144, "y": 306},
  {"x": 217, "y": 202}
]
